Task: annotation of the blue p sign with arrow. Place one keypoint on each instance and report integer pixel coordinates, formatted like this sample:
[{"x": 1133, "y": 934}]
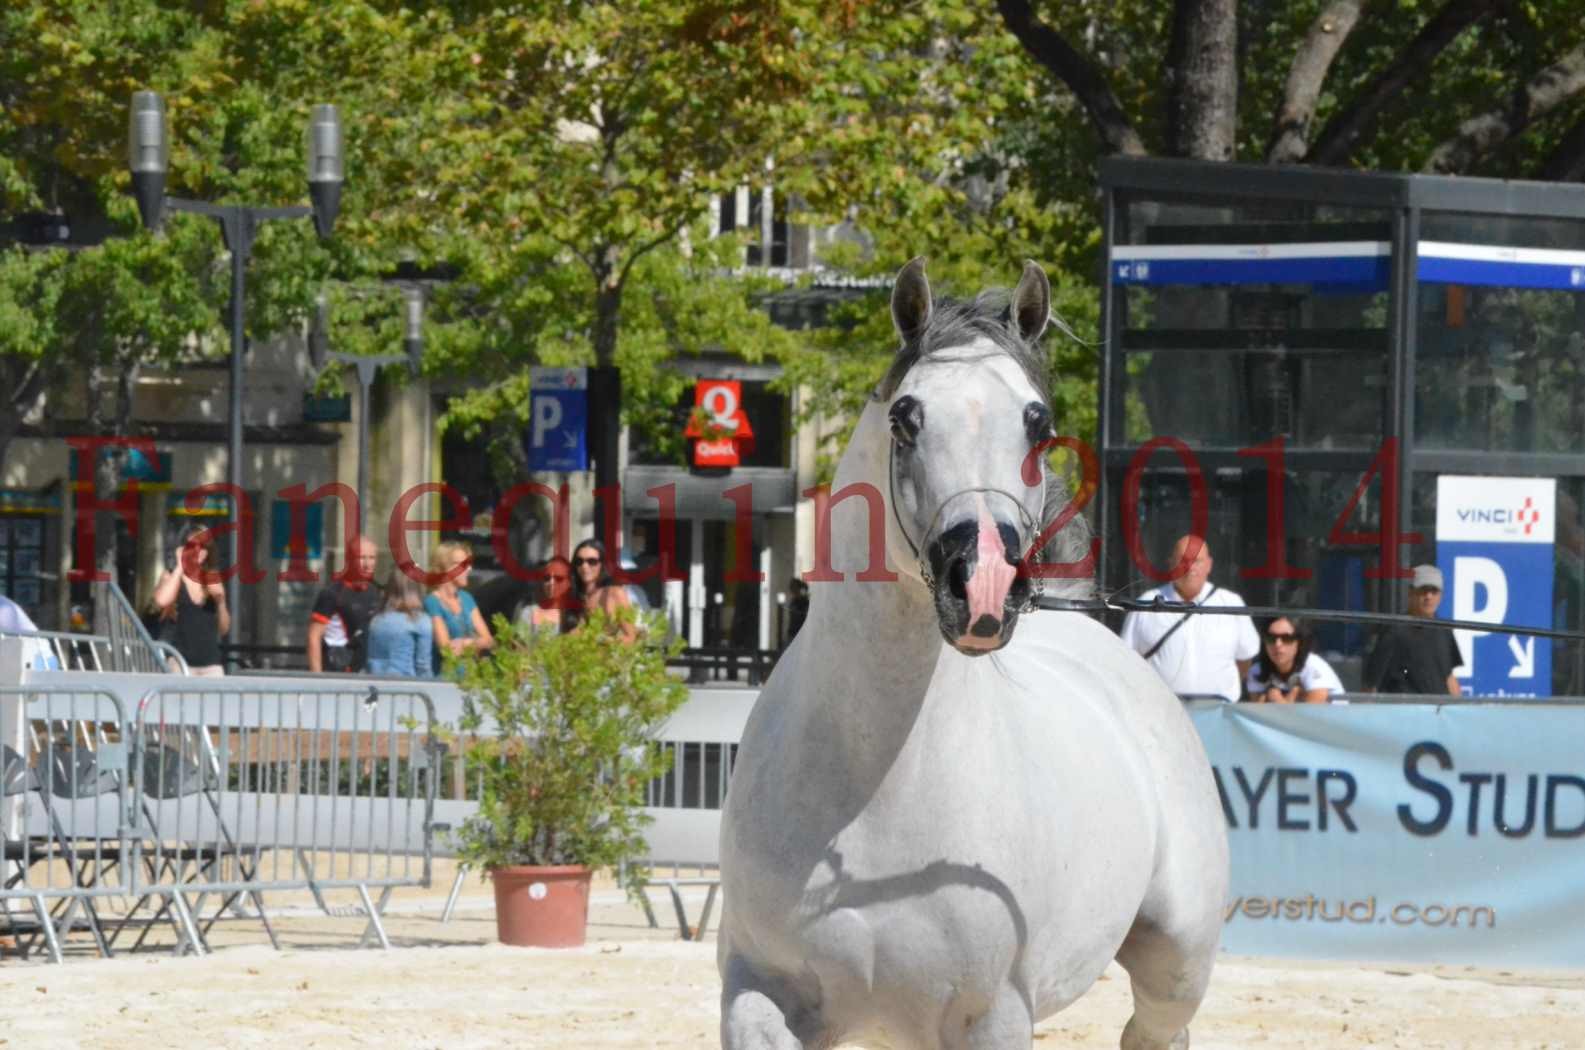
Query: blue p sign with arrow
[{"x": 558, "y": 414}]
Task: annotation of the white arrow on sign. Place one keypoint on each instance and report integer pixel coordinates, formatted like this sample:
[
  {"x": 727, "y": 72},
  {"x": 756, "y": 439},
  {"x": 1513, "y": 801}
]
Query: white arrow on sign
[{"x": 1523, "y": 657}]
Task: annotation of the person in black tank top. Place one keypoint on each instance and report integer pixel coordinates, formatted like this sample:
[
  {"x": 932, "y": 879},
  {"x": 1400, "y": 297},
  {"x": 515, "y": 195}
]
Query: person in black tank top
[{"x": 195, "y": 604}]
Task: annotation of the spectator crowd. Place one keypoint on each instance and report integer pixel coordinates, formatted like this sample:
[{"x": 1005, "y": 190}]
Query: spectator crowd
[{"x": 1235, "y": 658}]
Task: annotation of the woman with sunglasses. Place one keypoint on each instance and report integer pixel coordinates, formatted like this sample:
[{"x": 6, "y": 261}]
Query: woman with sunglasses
[
  {"x": 1286, "y": 671},
  {"x": 593, "y": 588},
  {"x": 194, "y": 603},
  {"x": 553, "y": 612}
]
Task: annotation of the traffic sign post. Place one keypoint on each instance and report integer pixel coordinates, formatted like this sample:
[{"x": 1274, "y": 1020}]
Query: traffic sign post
[
  {"x": 1494, "y": 541},
  {"x": 557, "y": 439}
]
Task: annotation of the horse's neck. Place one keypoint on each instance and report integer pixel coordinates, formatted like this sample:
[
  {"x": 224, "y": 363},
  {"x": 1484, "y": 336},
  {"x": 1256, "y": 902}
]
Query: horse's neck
[{"x": 873, "y": 646}]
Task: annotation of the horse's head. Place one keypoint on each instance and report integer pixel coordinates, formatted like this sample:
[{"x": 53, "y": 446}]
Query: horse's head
[{"x": 966, "y": 410}]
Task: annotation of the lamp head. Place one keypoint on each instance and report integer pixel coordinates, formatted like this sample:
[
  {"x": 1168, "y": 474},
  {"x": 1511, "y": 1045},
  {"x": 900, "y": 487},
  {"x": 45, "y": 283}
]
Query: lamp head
[
  {"x": 326, "y": 166},
  {"x": 148, "y": 155}
]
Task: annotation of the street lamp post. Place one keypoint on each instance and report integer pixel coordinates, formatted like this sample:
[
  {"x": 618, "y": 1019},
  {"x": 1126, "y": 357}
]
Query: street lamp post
[
  {"x": 367, "y": 367},
  {"x": 149, "y": 162}
]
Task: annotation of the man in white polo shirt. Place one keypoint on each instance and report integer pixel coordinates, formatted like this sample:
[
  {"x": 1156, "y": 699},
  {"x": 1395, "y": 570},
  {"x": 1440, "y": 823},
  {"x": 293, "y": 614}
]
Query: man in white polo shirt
[{"x": 1199, "y": 656}]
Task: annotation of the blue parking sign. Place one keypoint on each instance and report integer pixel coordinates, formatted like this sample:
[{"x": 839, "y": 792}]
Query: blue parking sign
[
  {"x": 1494, "y": 544},
  {"x": 558, "y": 417}
]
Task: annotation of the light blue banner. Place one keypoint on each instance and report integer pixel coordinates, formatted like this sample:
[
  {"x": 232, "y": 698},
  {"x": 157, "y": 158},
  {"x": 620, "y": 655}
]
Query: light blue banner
[{"x": 1451, "y": 834}]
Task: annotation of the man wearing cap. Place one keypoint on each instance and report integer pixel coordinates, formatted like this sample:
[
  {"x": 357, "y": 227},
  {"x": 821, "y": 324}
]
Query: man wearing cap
[
  {"x": 1416, "y": 659},
  {"x": 1198, "y": 656}
]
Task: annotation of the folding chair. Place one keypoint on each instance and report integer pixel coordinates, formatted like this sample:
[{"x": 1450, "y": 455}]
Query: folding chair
[
  {"x": 188, "y": 768},
  {"x": 19, "y": 778}
]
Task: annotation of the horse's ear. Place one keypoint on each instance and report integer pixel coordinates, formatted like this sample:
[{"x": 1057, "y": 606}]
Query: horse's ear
[
  {"x": 911, "y": 300},
  {"x": 1032, "y": 302}
]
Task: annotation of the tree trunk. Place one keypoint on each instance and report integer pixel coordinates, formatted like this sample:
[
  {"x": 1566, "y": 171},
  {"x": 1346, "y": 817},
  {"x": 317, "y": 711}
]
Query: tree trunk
[
  {"x": 105, "y": 478},
  {"x": 1342, "y": 133},
  {"x": 26, "y": 380},
  {"x": 1202, "y": 62},
  {"x": 1081, "y": 76},
  {"x": 1291, "y": 129},
  {"x": 1542, "y": 93}
]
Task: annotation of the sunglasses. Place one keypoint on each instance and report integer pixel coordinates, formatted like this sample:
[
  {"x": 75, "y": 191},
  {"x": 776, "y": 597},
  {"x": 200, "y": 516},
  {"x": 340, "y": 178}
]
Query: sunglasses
[
  {"x": 586, "y": 561},
  {"x": 556, "y": 579},
  {"x": 1277, "y": 636}
]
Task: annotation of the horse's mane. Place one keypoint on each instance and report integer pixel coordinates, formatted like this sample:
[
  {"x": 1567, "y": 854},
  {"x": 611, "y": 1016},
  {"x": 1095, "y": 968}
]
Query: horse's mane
[{"x": 957, "y": 323}]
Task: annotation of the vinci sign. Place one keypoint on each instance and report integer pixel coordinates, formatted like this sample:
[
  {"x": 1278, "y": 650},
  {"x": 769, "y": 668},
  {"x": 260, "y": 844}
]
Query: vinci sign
[{"x": 1494, "y": 545}]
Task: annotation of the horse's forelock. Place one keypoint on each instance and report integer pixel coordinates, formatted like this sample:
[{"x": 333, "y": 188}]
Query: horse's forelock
[{"x": 956, "y": 323}]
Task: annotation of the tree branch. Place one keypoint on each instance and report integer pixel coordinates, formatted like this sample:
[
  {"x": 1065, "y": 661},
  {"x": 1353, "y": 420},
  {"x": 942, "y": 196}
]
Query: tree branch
[
  {"x": 1478, "y": 135},
  {"x": 1338, "y": 139},
  {"x": 1291, "y": 128},
  {"x": 1567, "y": 161},
  {"x": 637, "y": 253},
  {"x": 1081, "y": 76},
  {"x": 1202, "y": 95}
]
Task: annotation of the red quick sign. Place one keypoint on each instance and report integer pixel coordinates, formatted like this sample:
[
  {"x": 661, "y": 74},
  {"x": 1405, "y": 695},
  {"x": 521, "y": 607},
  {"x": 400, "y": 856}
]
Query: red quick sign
[{"x": 718, "y": 426}]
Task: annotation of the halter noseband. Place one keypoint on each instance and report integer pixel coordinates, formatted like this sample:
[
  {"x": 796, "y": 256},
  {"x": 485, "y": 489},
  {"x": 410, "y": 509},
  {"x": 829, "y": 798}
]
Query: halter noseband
[{"x": 1037, "y": 585}]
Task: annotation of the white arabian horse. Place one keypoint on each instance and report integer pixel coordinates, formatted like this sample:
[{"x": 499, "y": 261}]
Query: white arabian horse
[{"x": 940, "y": 831}]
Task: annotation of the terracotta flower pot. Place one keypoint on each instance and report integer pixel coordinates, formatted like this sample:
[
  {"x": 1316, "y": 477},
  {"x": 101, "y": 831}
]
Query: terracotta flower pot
[{"x": 541, "y": 907}]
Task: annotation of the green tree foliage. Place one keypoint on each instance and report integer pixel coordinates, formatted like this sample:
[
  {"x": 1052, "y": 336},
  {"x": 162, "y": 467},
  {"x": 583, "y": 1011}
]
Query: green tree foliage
[{"x": 564, "y": 157}]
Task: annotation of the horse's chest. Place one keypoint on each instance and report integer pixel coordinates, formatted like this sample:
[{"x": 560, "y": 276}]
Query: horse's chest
[{"x": 892, "y": 952}]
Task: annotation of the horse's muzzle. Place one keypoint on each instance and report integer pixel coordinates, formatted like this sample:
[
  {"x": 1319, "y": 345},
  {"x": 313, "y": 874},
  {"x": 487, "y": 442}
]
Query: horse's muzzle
[{"x": 978, "y": 586}]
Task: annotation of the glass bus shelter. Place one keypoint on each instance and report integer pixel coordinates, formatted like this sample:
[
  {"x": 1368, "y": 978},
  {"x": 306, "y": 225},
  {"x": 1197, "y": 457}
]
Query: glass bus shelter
[{"x": 1302, "y": 355}]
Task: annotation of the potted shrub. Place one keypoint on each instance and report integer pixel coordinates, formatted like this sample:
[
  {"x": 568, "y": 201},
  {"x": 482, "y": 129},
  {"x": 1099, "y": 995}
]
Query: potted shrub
[{"x": 568, "y": 723}]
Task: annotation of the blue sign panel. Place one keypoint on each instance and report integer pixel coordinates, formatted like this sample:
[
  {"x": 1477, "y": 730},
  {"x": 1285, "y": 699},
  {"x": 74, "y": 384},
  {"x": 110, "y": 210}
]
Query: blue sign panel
[
  {"x": 1494, "y": 544},
  {"x": 1502, "y": 267},
  {"x": 1433, "y": 834},
  {"x": 1345, "y": 264},
  {"x": 558, "y": 416},
  {"x": 1342, "y": 263}
]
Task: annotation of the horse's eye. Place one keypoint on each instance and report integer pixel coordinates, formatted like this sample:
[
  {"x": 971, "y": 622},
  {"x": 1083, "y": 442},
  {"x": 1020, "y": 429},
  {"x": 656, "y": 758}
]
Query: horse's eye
[
  {"x": 1037, "y": 422},
  {"x": 907, "y": 415}
]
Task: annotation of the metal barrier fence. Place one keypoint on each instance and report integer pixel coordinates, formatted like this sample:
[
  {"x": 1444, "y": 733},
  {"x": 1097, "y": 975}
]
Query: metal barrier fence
[
  {"x": 202, "y": 798},
  {"x": 63, "y": 810},
  {"x": 59, "y": 651},
  {"x": 131, "y": 646}
]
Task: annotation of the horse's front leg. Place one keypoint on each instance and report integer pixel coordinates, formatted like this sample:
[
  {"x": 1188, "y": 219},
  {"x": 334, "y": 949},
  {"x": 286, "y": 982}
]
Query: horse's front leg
[{"x": 761, "y": 1013}]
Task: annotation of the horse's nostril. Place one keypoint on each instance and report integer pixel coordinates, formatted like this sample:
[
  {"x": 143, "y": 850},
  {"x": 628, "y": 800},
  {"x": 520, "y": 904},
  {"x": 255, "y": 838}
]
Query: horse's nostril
[
  {"x": 986, "y": 627},
  {"x": 958, "y": 579}
]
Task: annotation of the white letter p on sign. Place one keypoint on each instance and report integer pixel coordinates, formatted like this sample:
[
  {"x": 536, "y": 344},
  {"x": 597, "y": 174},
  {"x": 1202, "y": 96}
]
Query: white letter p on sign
[{"x": 547, "y": 417}]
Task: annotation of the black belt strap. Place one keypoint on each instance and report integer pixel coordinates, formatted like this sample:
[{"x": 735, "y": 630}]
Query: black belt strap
[{"x": 1154, "y": 649}]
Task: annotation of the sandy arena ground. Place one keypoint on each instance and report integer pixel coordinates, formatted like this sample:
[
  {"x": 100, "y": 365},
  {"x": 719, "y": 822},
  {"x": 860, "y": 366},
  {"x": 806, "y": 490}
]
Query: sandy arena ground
[{"x": 449, "y": 986}]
